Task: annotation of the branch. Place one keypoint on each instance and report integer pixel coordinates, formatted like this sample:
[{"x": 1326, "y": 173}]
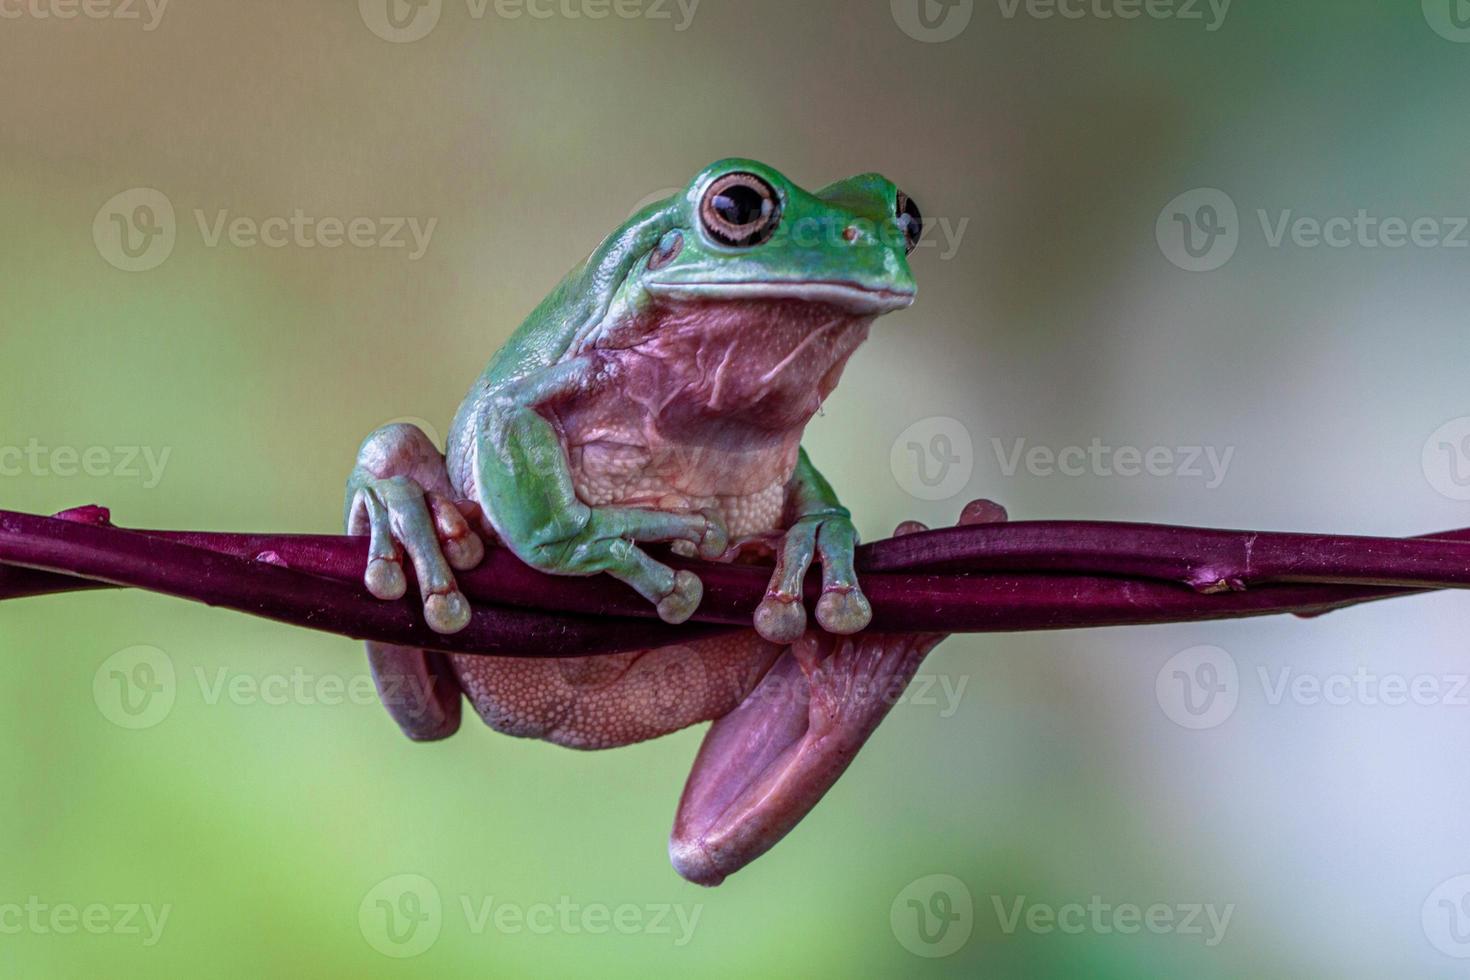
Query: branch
[{"x": 984, "y": 578}]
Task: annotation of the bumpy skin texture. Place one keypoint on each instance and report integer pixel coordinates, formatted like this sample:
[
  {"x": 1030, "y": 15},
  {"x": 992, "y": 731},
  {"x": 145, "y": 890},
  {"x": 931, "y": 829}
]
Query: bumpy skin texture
[{"x": 659, "y": 394}]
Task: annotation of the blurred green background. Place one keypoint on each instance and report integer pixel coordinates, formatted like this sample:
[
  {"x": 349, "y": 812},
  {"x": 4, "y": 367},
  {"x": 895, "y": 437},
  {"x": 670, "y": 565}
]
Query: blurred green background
[{"x": 268, "y": 807}]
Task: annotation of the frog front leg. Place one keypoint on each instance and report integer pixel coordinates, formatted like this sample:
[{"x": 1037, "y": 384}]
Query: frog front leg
[
  {"x": 525, "y": 487},
  {"x": 820, "y": 528},
  {"x": 399, "y": 494}
]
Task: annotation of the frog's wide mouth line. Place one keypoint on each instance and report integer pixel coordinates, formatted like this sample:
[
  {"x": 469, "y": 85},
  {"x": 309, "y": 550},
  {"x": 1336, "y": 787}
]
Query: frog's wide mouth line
[{"x": 846, "y": 296}]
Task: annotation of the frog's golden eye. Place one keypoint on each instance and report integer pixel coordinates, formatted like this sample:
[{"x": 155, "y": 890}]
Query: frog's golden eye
[
  {"x": 740, "y": 210},
  {"x": 910, "y": 222}
]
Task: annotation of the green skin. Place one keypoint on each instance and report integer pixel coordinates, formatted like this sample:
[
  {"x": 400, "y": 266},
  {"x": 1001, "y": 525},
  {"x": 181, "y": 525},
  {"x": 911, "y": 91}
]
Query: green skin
[{"x": 658, "y": 394}]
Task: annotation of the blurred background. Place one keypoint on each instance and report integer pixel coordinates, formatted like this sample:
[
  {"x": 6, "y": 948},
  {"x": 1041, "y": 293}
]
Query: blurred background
[{"x": 1187, "y": 262}]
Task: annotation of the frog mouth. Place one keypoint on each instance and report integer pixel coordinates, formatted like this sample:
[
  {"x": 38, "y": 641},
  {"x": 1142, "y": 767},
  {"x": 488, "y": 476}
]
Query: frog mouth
[{"x": 846, "y": 296}]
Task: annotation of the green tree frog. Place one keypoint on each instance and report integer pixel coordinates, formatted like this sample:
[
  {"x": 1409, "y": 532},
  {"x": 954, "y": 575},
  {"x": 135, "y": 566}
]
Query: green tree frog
[{"x": 659, "y": 394}]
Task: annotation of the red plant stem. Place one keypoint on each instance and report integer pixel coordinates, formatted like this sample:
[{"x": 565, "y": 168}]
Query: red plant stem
[{"x": 986, "y": 578}]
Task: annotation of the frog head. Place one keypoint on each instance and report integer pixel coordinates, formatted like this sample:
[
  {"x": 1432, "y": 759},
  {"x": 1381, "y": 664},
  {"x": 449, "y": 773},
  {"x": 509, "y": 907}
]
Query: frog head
[
  {"x": 751, "y": 290},
  {"x": 742, "y": 231}
]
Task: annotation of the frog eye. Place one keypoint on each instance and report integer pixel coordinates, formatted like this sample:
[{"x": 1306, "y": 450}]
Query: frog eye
[
  {"x": 740, "y": 210},
  {"x": 910, "y": 222}
]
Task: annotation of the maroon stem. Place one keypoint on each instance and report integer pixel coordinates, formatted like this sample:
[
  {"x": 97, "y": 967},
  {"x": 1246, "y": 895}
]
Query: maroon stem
[{"x": 986, "y": 578}]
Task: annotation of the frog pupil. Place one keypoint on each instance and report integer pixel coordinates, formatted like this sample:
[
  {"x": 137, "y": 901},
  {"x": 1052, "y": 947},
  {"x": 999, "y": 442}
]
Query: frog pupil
[{"x": 740, "y": 205}]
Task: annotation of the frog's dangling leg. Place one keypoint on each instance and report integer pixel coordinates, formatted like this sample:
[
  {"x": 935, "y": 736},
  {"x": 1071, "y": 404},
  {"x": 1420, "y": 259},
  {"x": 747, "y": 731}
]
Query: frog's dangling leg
[
  {"x": 764, "y": 766},
  {"x": 419, "y": 689}
]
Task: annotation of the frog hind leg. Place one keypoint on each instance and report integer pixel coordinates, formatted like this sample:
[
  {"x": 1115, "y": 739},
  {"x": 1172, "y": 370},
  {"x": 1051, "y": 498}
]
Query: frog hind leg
[
  {"x": 765, "y": 765},
  {"x": 419, "y": 689}
]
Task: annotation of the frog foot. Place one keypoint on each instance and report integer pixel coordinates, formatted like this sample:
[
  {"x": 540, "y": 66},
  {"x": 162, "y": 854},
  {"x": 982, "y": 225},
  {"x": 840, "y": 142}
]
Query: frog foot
[
  {"x": 398, "y": 499},
  {"x": 683, "y": 598},
  {"x": 843, "y": 609}
]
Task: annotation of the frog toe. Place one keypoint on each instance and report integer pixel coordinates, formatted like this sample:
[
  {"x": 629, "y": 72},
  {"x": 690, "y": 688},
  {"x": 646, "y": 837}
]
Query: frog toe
[
  {"x": 683, "y": 599},
  {"x": 780, "y": 619},
  {"x": 716, "y": 538},
  {"x": 447, "y": 612},
  {"x": 384, "y": 578},
  {"x": 462, "y": 547},
  {"x": 844, "y": 611}
]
